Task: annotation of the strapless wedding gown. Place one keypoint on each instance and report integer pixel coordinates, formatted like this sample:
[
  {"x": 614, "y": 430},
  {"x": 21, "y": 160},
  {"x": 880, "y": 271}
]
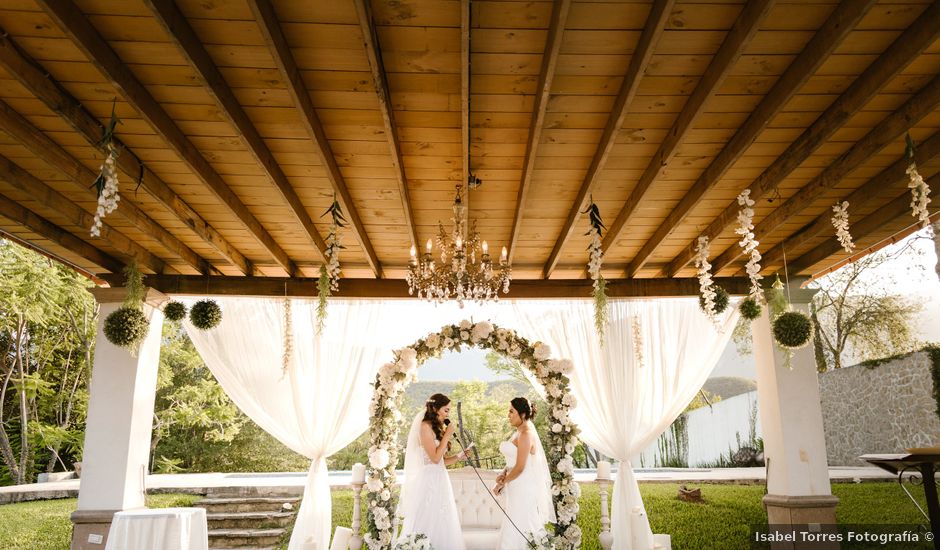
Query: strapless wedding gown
[
  {"x": 519, "y": 503},
  {"x": 435, "y": 513}
]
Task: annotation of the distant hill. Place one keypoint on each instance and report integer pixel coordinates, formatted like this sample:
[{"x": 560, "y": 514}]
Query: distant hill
[
  {"x": 729, "y": 386},
  {"x": 418, "y": 392}
]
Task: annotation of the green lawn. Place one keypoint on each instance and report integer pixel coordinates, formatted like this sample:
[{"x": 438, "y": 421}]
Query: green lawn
[{"x": 723, "y": 522}]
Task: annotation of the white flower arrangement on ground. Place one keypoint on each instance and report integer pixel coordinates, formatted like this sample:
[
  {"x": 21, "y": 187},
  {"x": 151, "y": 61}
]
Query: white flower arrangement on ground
[
  {"x": 840, "y": 221},
  {"x": 385, "y": 424},
  {"x": 749, "y": 243},
  {"x": 706, "y": 286},
  {"x": 107, "y": 184},
  {"x": 414, "y": 542}
]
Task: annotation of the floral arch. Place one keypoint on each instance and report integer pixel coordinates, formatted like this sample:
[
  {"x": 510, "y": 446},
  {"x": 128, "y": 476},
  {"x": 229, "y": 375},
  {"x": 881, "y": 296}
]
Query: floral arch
[{"x": 385, "y": 423}]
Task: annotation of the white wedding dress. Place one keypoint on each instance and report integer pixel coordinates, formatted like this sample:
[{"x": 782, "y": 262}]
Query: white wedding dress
[
  {"x": 427, "y": 498},
  {"x": 528, "y": 497}
]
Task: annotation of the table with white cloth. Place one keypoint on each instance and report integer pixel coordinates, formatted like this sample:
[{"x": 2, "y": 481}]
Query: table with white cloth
[{"x": 159, "y": 529}]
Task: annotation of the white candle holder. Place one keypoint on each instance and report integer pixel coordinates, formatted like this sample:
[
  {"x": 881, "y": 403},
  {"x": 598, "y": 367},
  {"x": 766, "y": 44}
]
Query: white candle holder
[
  {"x": 605, "y": 537},
  {"x": 355, "y": 541}
]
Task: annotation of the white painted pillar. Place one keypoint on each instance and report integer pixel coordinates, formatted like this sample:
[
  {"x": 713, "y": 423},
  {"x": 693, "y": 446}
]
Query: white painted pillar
[
  {"x": 798, "y": 490},
  {"x": 119, "y": 424}
]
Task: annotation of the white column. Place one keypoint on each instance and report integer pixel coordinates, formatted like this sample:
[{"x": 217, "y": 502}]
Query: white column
[
  {"x": 798, "y": 490},
  {"x": 120, "y": 419}
]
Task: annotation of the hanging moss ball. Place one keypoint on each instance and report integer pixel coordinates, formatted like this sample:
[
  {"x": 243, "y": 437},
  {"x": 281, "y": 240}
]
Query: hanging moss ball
[
  {"x": 125, "y": 326},
  {"x": 750, "y": 309},
  {"x": 792, "y": 329},
  {"x": 174, "y": 311},
  {"x": 205, "y": 314},
  {"x": 721, "y": 300}
]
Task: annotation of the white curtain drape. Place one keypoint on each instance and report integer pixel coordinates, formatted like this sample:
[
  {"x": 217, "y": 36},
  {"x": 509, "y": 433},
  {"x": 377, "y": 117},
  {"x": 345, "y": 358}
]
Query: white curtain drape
[
  {"x": 320, "y": 405},
  {"x": 657, "y": 355}
]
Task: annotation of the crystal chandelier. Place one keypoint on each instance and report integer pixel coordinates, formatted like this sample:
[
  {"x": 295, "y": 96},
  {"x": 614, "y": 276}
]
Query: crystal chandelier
[{"x": 465, "y": 271}]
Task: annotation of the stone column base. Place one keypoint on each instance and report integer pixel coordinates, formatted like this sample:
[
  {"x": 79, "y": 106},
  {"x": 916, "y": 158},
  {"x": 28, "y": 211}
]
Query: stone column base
[
  {"x": 812, "y": 514},
  {"x": 90, "y": 529}
]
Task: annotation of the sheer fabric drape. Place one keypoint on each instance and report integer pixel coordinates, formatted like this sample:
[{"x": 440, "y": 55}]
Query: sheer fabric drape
[{"x": 657, "y": 355}]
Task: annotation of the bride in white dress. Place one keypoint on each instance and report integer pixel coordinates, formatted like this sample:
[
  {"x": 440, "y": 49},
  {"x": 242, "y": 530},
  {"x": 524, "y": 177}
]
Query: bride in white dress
[
  {"x": 526, "y": 481},
  {"x": 427, "y": 499}
]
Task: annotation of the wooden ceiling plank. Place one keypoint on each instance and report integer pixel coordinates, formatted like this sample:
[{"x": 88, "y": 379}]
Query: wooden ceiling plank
[
  {"x": 380, "y": 81},
  {"x": 284, "y": 59},
  {"x": 867, "y": 193},
  {"x": 556, "y": 30},
  {"x": 905, "y": 49},
  {"x": 35, "y": 79},
  {"x": 51, "y": 153},
  {"x": 652, "y": 31},
  {"x": 465, "y": 74},
  {"x": 744, "y": 29},
  {"x": 52, "y": 199},
  {"x": 886, "y": 131},
  {"x": 34, "y": 222},
  {"x": 178, "y": 28},
  {"x": 898, "y": 208},
  {"x": 839, "y": 24},
  {"x": 73, "y": 22}
]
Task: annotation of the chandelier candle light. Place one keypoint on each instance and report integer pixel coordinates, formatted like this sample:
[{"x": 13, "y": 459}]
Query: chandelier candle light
[{"x": 465, "y": 271}]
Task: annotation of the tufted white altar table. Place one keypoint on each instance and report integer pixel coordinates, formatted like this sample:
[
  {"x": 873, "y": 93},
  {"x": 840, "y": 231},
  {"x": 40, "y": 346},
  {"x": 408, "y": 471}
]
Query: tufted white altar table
[{"x": 159, "y": 529}]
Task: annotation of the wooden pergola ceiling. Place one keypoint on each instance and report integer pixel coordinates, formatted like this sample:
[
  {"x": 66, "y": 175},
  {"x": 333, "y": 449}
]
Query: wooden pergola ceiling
[{"x": 242, "y": 119}]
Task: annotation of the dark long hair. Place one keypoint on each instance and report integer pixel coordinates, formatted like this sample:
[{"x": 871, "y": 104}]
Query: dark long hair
[
  {"x": 524, "y": 407},
  {"x": 431, "y": 407}
]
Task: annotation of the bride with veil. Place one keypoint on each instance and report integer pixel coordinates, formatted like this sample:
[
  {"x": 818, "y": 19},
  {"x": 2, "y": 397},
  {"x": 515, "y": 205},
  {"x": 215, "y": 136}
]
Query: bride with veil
[
  {"x": 526, "y": 481},
  {"x": 427, "y": 499}
]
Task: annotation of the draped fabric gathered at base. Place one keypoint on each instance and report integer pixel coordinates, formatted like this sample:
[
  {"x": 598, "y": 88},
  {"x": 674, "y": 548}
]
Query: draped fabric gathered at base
[{"x": 656, "y": 356}]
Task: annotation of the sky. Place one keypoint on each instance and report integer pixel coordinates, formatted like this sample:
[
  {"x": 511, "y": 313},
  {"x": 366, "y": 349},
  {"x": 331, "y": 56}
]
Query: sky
[{"x": 912, "y": 274}]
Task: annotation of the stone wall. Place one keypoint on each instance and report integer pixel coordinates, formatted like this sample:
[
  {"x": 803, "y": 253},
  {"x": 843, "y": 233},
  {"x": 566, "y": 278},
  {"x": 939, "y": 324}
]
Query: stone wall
[{"x": 884, "y": 409}]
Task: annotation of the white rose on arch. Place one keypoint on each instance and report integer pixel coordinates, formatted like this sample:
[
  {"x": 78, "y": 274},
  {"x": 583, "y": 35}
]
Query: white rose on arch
[
  {"x": 408, "y": 359},
  {"x": 481, "y": 331},
  {"x": 433, "y": 341},
  {"x": 379, "y": 458},
  {"x": 542, "y": 351},
  {"x": 465, "y": 324},
  {"x": 374, "y": 485}
]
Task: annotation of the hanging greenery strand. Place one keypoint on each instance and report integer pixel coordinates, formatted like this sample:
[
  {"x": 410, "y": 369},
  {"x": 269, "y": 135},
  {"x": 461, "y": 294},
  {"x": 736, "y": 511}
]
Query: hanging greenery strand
[
  {"x": 920, "y": 191},
  {"x": 595, "y": 261},
  {"x": 127, "y": 326},
  {"x": 328, "y": 283},
  {"x": 106, "y": 184}
]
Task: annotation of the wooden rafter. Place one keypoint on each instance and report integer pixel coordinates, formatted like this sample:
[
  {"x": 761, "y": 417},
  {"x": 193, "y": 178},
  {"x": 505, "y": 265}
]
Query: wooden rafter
[
  {"x": 177, "y": 27},
  {"x": 280, "y": 50},
  {"x": 73, "y": 22},
  {"x": 888, "y": 178},
  {"x": 886, "y": 131},
  {"x": 397, "y": 288},
  {"x": 823, "y": 43},
  {"x": 51, "y": 153},
  {"x": 379, "y": 79},
  {"x": 465, "y": 101},
  {"x": 899, "y": 208},
  {"x": 52, "y": 199},
  {"x": 745, "y": 27},
  {"x": 547, "y": 73},
  {"x": 46, "y": 89},
  {"x": 899, "y": 54},
  {"x": 652, "y": 31},
  {"x": 34, "y": 222}
]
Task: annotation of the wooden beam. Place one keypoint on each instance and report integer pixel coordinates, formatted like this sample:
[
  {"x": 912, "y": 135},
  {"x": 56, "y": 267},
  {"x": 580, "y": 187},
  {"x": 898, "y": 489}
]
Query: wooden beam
[
  {"x": 744, "y": 29},
  {"x": 73, "y": 22},
  {"x": 177, "y": 27},
  {"x": 51, "y": 153},
  {"x": 556, "y": 30},
  {"x": 899, "y": 54},
  {"x": 280, "y": 50},
  {"x": 373, "y": 50},
  {"x": 888, "y": 178},
  {"x": 398, "y": 288},
  {"x": 40, "y": 192},
  {"x": 37, "y": 224},
  {"x": 35, "y": 79},
  {"x": 823, "y": 43},
  {"x": 54, "y": 257},
  {"x": 899, "y": 208},
  {"x": 652, "y": 31},
  {"x": 465, "y": 74},
  {"x": 886, "y": 131}
]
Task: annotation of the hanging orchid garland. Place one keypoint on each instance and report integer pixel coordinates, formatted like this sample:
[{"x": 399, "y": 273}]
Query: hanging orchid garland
[
  {"x": 705, "y": 284},
  {"x": 840, "y": 220},
  {"x": 920, "y": 191},
  {"x": 106, "y": 184},
  {"x": 328, "y": 283},
  {"x": 595, "y": 260},
  {"x": 288, "y": 335},
  {"x": 748, "y": 242}
]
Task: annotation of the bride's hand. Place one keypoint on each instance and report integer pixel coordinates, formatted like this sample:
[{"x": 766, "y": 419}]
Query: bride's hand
[
  {"x": 450, "y": 428},
  {"x": 498, "y": 489}
]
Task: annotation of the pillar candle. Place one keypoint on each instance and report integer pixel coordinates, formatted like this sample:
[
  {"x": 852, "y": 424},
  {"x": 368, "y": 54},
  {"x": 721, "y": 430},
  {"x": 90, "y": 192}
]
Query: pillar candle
[
  {"x": 358, "y": 473},
  {"x": 603, "y": 470}
]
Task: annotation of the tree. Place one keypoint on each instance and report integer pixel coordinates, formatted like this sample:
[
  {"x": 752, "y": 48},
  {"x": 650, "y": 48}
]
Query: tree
[
  {"x": 47, "y": 331},
  {"x": 855, "y": 312}
]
